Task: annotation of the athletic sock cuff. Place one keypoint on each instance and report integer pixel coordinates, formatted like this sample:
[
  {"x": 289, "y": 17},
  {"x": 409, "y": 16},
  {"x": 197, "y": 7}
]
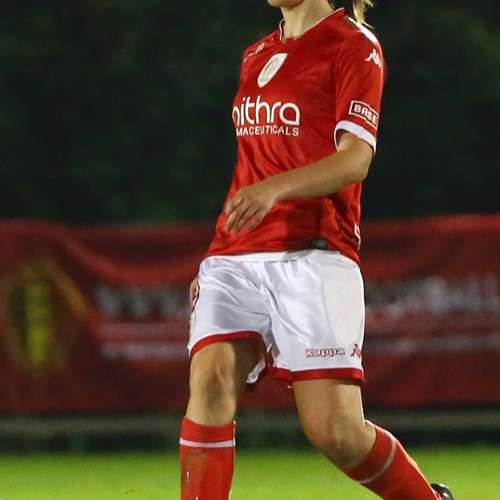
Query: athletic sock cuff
[
  {"x": 378, "y": 460},
  {"x": 193, "y": 433}
]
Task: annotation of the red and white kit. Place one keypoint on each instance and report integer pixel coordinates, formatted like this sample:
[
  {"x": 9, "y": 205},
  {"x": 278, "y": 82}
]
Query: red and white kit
[
  {"x": 293, "y": 99},
  {"x": 294, "y": 280}
]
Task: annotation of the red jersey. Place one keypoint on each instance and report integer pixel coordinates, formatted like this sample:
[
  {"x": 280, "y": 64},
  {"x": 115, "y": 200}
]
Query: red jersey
[{"x": 294, "y": 97}]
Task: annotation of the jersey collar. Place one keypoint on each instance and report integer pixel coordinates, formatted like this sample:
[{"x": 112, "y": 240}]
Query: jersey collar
[{"x": 282, "y": 23}]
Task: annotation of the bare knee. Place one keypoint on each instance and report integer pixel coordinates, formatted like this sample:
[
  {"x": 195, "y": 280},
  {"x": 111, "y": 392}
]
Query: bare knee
[
  {"x": 344, "y": 441},
  {"x": 213, "y": 389},
  {"x": 218, "y": 375}
]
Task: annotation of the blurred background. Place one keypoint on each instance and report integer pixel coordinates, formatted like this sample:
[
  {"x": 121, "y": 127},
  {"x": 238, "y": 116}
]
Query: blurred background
[
  {"x": 117, "y": 149},
  {"x": 120, "y": 111}
]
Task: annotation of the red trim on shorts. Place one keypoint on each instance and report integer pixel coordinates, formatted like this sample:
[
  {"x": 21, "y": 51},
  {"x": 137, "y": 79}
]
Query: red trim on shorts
[
  {"x": 289, "y": 376},
  {"x": 223, "y": 337}
]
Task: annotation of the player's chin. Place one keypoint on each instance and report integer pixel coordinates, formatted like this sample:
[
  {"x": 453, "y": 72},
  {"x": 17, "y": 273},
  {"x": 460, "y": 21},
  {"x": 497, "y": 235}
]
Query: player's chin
[{"x": 288, "y": 4}]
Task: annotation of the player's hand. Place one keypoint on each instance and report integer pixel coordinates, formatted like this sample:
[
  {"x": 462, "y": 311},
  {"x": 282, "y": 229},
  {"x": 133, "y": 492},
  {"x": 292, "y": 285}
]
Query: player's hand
[
  {"x": 193, "y": 291},
  {"x": 249, "y": 206}
]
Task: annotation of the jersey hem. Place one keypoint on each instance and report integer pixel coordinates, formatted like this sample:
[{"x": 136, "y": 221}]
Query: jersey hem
[
  {"x": 281, "y": 256},
  {"x": 258, "y": 255}
]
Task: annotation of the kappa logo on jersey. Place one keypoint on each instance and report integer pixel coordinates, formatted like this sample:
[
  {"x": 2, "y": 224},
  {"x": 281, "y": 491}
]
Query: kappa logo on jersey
[
  {"x": 365, "y": 112},
  {"x": 258, "y": 117},
  {"x": 375, "y": 57},
  {"x": 270, "y": 69}
]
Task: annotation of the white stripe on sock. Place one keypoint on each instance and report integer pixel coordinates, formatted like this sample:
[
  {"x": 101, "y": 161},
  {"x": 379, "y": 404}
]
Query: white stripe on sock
[
  {"x": 219, "y": 444},
  {"x": 383, "y": 470}
]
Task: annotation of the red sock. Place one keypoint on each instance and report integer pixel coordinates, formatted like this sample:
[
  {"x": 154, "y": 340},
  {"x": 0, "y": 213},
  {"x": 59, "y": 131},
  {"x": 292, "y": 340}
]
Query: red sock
[
  {"x": 390, "y": 472},
  {"x": 207, "y": 460}
]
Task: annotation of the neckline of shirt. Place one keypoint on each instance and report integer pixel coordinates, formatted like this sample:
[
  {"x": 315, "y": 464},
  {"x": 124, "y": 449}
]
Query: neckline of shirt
[{"x": 287, "y": 40}]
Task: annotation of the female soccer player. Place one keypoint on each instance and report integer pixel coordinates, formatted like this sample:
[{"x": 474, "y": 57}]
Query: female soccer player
[{"x": 282, "y": 275}]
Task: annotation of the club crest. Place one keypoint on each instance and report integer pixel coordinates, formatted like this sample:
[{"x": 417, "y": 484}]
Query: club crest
[{"x": 270, "y": 69}]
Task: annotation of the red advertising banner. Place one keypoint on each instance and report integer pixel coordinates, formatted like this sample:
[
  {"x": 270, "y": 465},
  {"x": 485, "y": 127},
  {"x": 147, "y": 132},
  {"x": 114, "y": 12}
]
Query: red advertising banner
[
  {"x": 433, "y": 311},
  {"x": 96, "y": 318}
]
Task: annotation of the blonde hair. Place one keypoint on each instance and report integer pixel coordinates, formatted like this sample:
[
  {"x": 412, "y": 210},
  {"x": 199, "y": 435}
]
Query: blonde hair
[{"x": 354, "y": 8}]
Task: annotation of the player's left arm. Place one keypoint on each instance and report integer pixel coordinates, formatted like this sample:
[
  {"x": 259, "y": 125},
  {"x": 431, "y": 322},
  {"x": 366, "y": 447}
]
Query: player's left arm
[{"x": 347, "y": 166}]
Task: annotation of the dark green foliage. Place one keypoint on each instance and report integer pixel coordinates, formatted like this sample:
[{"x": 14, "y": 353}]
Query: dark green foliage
[
  {"x": 119, "y": 110},
  {"x": 439, "y": 145}
]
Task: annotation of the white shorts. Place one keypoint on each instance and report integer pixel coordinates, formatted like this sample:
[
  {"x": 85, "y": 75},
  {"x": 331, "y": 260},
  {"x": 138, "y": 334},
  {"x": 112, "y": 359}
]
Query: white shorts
[{"x": 307, "y": 307}]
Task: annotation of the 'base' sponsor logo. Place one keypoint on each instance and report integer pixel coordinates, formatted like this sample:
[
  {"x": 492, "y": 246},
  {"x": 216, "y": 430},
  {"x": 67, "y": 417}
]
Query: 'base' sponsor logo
[{"x": 365, "y": 112}]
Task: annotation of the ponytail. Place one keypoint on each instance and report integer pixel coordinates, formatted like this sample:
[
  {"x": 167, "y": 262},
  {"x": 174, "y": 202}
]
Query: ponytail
[{"x": 354, "y": 8}]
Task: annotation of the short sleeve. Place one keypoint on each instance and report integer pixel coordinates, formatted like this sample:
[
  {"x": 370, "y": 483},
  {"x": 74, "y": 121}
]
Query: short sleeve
[{"x": 359, "y": 76}]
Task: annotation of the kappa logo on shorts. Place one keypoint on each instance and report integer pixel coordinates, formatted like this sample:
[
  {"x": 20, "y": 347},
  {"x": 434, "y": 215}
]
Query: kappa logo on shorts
[
  {"x": 356, "y": 352},
  {"x": 270, "y": 69},
  {"x": 329, "y": 352},
  {"x": 365, "y": 112}
]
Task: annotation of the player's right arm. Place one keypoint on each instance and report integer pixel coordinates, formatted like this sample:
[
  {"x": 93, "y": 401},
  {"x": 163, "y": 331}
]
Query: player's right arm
[{"x": 347, "y": 166}]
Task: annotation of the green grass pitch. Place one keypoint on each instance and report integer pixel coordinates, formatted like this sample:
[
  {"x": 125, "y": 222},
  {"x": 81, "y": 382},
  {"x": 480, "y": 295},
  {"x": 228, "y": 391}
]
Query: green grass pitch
[{"x": 265, "y": 475}]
